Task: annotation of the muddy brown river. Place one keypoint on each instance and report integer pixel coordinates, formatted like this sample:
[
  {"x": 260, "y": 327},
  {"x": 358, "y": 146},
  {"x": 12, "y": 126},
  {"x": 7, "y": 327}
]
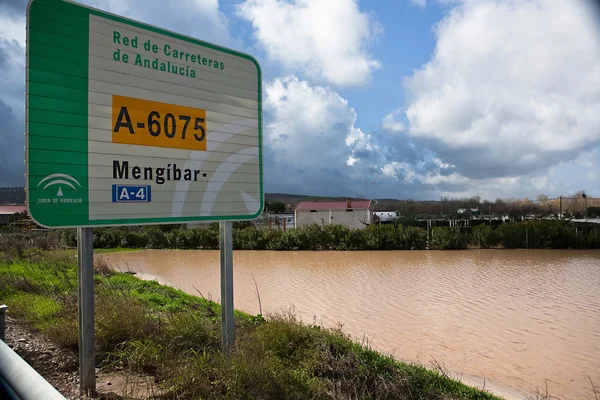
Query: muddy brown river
[{"x": 514, "y": 320}]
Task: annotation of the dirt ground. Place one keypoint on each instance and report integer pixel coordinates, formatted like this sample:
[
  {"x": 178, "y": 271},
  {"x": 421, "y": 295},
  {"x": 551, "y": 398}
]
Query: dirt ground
[{"x": 60, "y": 367}]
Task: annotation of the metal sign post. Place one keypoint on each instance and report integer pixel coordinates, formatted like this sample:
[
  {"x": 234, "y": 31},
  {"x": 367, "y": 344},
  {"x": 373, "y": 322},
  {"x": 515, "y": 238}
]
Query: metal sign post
[
  {"x": 85, "y": 302},
  {"x": 226, "y": 247}
]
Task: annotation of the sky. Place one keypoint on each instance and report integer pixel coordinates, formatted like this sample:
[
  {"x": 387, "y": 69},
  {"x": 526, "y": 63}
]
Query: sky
[{"x": 416, "y": 99}]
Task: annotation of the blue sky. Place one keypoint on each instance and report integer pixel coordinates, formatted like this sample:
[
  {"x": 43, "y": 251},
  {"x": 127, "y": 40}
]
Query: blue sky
[{"x": 428, "y": 98}]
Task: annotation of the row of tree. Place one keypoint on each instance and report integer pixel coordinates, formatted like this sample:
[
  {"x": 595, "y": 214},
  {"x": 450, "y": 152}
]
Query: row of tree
[
  {"x": 528, "y": 234},
  {"x": 573, "y": 205}
]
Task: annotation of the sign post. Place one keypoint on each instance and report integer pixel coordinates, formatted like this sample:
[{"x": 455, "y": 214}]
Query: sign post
[
  {"x": 85, "y": 309},
  {"x": 226, "y": 247},
  {"x": 130, "y": 124}
]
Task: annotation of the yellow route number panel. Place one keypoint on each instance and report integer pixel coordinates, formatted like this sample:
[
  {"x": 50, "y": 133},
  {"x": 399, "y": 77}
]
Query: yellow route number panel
[{"x": 149, "y": 123}]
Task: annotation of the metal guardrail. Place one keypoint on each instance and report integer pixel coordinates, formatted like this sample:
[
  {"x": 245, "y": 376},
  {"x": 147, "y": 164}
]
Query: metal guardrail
[{"x": 18, "y": 380}]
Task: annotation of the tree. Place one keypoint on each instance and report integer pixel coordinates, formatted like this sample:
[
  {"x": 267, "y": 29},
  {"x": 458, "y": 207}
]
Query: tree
[{"x": 276, "y": 207}]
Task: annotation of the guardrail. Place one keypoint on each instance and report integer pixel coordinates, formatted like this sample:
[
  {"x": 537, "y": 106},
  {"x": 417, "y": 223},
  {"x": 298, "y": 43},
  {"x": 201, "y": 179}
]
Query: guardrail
[{"x": 18, "y": 380}]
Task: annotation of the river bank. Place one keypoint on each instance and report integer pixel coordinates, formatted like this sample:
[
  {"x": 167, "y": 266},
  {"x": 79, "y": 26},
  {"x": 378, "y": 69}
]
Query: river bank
[
  {"x": 481, "y": 382},
  {"x": 516, "y": 319},
  {"x": 148, "y": 328}
]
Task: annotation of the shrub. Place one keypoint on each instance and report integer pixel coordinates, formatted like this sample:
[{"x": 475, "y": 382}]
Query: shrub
[
  {"x": 137, "y": 240},
  {"x": 107, "y": 238},
  {"x": 120, "y": 318},
  {"x": 537, "y": 235},
  {"x": 447, "y": 238},
  {"x": 191, "y": 330},
  {"x": 206, "y": 238},
  {"x": 335, "y": 235},
  {"x": 157, "y": 239},
  {"x": 414, "y": 238},
  {"x": 355, "y": 240},
  {"x": 64, "y": 332},
  {"x": 481, "y": 236}
]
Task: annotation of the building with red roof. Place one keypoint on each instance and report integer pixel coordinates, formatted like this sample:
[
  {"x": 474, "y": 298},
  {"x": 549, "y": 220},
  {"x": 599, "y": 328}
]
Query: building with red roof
[{"x": 355, "y": 214}]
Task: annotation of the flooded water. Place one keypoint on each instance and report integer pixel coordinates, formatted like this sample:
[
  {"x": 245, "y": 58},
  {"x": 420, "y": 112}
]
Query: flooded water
[{"x": 514, "y": 319}]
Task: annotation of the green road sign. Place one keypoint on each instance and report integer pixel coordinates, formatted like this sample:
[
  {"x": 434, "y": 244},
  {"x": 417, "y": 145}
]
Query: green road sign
[{"x": 129, "y": 124}]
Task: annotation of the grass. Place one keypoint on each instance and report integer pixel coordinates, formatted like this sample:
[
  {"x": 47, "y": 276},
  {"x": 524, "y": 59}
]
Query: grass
[{"x": 148, "y": 328}]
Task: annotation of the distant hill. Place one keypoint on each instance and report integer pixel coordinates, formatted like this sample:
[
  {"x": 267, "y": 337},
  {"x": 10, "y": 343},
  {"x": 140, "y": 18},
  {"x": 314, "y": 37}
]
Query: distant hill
[
  {"x": 16, "y": 195},
  {"x": 12, "y": 195}
]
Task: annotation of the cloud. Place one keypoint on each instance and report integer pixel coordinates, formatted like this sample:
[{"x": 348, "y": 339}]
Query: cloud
[
  {"x": 418, "y": 3},
  {"x": 14, "y": 6},
  {"x": 12, "y": 141},
  {"x": 391, "y": 123},
  {"x": 327, "y": 40},
  {"x": 195, "y": 18},
  {"x": 512, "y": 89},
  {"x": 12, "y": 21},
  {"x": 310, "y": 137},
  {"x": 312, "y": 145},
  {"x": 12, "y": 99},
  {"x": 566, "y": 177}
]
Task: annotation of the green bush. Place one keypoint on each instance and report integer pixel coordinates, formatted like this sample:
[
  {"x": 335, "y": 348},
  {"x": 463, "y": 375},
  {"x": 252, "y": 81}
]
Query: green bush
[
  {"x": 414, "y": 238},
  {"x": 448, "y": 238},
  {"x": 206, "y": 238},
  {"x": 107, "y": 238},
  {"x": 157, "y": 239},
  {"x": 135, "y": 240},
  {"x": 355, "y": 240},
  {"x": 482, "y": 236},
  {"x": 535, "y": 234},
  {"x": 591, "y": 239},
  {"x": 335, "y": 235}
]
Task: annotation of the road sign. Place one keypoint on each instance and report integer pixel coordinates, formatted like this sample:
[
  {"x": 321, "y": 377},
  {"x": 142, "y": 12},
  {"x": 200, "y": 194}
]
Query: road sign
[{"x": 117, "y": 108}]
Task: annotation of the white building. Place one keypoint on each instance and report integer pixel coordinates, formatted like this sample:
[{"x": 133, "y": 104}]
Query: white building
[
  {"x": 354, "y": 214},
  {"x": 384, "y": 216}
]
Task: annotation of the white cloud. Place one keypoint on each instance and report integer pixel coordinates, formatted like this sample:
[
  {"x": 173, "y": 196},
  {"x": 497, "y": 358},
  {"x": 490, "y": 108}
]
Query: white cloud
[
  {"x": 401, "y": 171},
  {"x": 419, "y": 3},
  {"x": 390, "y": 122},
  {"x": 197, "y": 18},
  {"x": 12, "y": 58},
  {"x": 513, "y": 87},
  {"x": 13, "y": 28},
  {"x": 326, "y": 39},
  {"x": 564, "y": 178},
  {"x": 307, "y": 120},
  {"x": 12, "y": 100},
  {"x": 311, "y": 140}
]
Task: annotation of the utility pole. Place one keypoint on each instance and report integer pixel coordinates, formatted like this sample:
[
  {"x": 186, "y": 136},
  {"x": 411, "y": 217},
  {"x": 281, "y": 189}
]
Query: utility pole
[
  {"x": 585, "y": 205},
  {"x": 560, "y": 215}
]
